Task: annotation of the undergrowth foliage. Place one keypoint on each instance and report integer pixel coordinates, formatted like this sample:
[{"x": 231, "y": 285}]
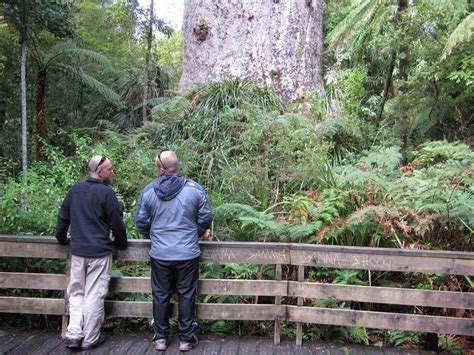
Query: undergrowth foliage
[{"x": 273, "y": 175}]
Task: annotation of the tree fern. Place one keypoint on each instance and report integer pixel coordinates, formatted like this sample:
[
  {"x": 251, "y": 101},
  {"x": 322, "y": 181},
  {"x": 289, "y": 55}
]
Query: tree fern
[
  {"x": 68, "y": 48},
  {"x": 462, "y": 33},
  {"x": 91, "y": 82},
  {"x": 367, "y": 14}
]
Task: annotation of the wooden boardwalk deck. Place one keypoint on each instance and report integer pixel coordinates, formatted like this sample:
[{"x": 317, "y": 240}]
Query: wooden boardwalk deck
[{"x": 47, "y": 342}]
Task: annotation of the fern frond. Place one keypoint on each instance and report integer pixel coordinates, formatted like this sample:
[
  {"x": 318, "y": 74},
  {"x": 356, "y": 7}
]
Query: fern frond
[
  {"x": 91, "y": 82},
  {"x": 374, "y": 23},
  {"x": 68, "y": 48},
  {"x": 339, "y": 127},
  {"x": 363, "y": 13},
  {"x": 299, "y": 231},
  {"x": 227, "y": 210},
  {"x": 172, "y": 110},
  {"x": 382, "y": 158},
  {"x": 462, "y": 33},
  {"x": 441, "y": 151},
  {"x": 355, "y": 177}
]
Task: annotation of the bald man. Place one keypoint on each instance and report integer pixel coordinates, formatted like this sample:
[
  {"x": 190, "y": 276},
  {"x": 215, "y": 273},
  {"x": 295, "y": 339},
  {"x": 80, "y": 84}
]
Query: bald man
[
  {"x": 92, "y": 210},
  {"x": 173, "y": 212}
]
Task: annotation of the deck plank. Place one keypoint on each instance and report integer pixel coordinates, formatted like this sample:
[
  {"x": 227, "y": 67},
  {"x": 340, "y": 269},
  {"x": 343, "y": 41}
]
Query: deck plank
[
  {"x": 14, "y": 341},
  {"x": 49, "y": 342}
]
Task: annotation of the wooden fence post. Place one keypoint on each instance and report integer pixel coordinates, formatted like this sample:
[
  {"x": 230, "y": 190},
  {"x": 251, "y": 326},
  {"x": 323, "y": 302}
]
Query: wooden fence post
[
  {"x": 299, "y": 326},
  {"x": 277, "y": 330},
  {"x": 66, "y": 298}
]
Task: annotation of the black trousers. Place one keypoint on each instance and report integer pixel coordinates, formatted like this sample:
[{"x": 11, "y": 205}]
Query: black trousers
[{"x": 168, "y": 277}]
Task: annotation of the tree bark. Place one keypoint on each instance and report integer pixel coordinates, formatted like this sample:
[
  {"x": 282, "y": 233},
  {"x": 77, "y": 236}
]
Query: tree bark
[
  {"x": 24, "y": 151},
  {"x": 41, "y": 130},
  {"x": 277, "y": 43},
  {"x": 403, "y": 75},
  {"x": 147, "y": 63},
  {"x": 388, "y": 83}
]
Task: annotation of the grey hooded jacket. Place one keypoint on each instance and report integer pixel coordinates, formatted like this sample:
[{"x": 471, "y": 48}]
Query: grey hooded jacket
[{"x": 173, "y": 212}]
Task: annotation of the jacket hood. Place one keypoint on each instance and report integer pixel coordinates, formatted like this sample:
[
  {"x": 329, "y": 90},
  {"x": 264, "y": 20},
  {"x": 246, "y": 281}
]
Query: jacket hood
[{"x": 168, "y": 186}]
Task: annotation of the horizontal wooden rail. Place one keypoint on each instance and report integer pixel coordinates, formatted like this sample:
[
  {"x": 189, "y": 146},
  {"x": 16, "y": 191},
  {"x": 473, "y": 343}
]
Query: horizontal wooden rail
[
  {"x": 55, "y": 306},
  {"x": 30, "y": 305},
  {"x": 38, "y": 281},
  {"x": 381, "y": 320},
  {"x": 301, "y": 255},
  {"x": 384, "y": 295},
  {"x": 204, "y": 310},
  {"x": 208, "y": 286},
  {"x": 32, "y": 281},
  {"x": 385, "y": 259},
  {"x": 340, "y": 257}
]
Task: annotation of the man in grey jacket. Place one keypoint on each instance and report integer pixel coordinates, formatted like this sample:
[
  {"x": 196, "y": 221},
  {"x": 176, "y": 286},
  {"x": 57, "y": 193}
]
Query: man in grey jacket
[{"x": 173, "y": 212}]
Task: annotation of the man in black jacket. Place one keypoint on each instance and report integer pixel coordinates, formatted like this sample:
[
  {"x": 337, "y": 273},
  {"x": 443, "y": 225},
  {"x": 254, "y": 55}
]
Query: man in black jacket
[{"x": 92, "y": 210}]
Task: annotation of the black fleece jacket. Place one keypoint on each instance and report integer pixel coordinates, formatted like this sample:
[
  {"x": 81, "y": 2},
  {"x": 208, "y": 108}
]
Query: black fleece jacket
[{"x": 92, "y": 210}]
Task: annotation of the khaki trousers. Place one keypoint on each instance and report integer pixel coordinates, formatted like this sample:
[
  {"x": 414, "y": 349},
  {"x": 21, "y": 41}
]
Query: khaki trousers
[{"x": 88, "y": 286}]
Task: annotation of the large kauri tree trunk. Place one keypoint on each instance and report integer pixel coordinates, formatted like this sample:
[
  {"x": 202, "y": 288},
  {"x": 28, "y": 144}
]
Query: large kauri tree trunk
[{"x": 276, "y": 42}]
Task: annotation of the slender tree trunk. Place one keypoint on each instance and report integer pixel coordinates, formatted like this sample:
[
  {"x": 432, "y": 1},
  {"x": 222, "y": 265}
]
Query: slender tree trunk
[
  {"x": 41, "y": 130},
  {"x": 403, "y": 67},
  {"x": 147, "y": 63},
  {"x": 24, "y": 151},
  {"x": 278, "y": 43},
  {"x": 388, "y": 83}
]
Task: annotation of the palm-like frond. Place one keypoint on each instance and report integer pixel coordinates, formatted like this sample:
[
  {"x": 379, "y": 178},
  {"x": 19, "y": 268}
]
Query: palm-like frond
[
  {"x": 86, "y": 79},
  {"x": 67, "y": 48},
  {"x": 461, "y": 34},
  {"x": 366, "y": 13}
]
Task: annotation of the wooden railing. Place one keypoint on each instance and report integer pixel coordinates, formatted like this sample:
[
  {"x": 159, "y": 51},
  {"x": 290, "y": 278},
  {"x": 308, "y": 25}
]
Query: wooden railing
[{"x": 278, "y": 254}]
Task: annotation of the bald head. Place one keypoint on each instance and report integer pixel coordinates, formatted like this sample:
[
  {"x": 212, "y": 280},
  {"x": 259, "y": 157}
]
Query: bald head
[
  {"x": 94, "y": 163},
  {"x": 167, "y": 162},
  {"x": 100, "y": 167}
]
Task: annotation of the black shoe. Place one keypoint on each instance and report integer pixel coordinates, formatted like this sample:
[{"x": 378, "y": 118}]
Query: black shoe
[
  {"x": 73, "y": 344},
  {"x": 188, "y": 345},
  {"x": 96, "y": 344},
  {"x": 161, "y": 344}
]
